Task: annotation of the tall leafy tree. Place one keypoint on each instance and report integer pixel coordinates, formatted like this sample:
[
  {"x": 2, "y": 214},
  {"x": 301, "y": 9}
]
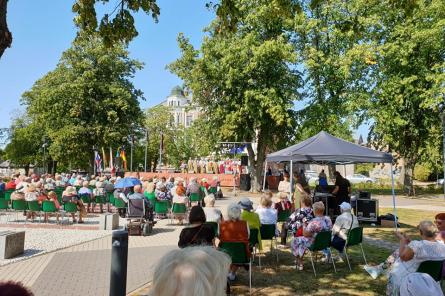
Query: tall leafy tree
[
  {"x": 88, "y": 100},
  {"x": 409, "y": 80},
  {"x": 329, "y": 39},
  {"x": 245, "y": 80},
  {"x": 24, "y": 147}
]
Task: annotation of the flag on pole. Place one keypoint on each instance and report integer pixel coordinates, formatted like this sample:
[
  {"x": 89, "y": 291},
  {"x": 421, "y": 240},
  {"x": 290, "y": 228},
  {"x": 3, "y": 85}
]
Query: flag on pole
[
  {"x": 124, "y": 158},
  {"x": 98, "y": 162},
  {"x": 162, "y": 142}
]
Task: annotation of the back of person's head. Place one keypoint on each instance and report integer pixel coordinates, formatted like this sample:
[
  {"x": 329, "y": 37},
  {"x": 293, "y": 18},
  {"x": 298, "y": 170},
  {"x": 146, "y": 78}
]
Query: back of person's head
[
  {"x": 337, "y": 175},
  {"x": 180, "y": 190},
  {"x": 427, "y": 229},
  {"x": 318, "y": 208},
  {"x": 11, "y": 288},
  {"x": 137, "y": 188},
  {"x": 266, "y": 202},
  {"x": 307, "y": 201},
  {"x": 234, "y": 211},
  {"x": 209, "y": 200},
  {"x": 268, "y": 194},
  {"x": 198, "y": 271},
  {"x": 85, "y": 183},
  {"x": 197, "y": 215},
  {"x": 420, "y": 284}
]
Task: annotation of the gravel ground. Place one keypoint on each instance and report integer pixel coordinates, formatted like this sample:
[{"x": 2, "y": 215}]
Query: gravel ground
[{"x": 41, "y": 241}]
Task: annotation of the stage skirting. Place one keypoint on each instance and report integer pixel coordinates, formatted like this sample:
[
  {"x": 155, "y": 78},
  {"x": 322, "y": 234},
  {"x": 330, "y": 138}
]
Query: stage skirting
[{"x": 225, "y": 180}]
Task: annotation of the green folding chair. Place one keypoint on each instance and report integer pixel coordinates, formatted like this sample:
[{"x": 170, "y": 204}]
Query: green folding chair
[
  {"x": 195, "y": 197},
  {"x": 237, "y": 251},
  {"x": 355, "y": 237},
  {"x": 110, "y": 197},
  {"x": 433, "y": 268},
  {"x": 59, "y": 193},
  {"x": 150, "y": 196},
  {"x": 33, "y": 206},
  {"x": 283, "y": 215},
  {"x": 212, "y": 190},
  {"x": 177, "y": 208},
  {"x": 2, "y": 194},
  {"x": 86, "y": 198},
  {"x": 19, "y": 206},
  {"x": 321, "y": 242},
  {"x": 100, "y": 200},
  {"x": 48, "y": 207},
  {"x": 268, "y": 233},
  {"x": 119, "y": 203},
  {"x": 8, "y": 194},
  {"x": 161, "y": 207},
  {"x": 69, "y": 208},
  {"x": 4, "y": 206},
  {"x": 214, "y": 226},
  {"x": 254, "y": 245}
]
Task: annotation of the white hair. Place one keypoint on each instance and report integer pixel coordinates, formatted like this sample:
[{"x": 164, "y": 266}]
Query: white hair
[
  {"x": 191, "y": 271},
  {"x": 209, "y": 200},
  {"x": 234, "y": 211}
]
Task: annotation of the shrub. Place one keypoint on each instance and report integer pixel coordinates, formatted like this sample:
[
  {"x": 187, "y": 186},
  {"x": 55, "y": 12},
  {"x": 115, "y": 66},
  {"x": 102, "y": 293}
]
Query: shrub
[{"x": 422, "y": 173}]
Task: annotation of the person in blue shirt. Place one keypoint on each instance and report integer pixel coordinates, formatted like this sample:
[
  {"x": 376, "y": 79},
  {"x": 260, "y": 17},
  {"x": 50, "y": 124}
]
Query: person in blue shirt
[
  {"x": 2, "y": 185},
  {"x": 322, "y": 179}
]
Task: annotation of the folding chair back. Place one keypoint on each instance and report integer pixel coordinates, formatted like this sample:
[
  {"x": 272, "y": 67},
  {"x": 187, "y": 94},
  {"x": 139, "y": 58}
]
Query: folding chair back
[
  {"x": 214, "y": 225},
  {"x": 161, "y": 207},
  {"x": 49, "y": 206},
  {"x": 253, "y": 237},
  {"x": 179, "y": 208},
  {"x": 119, "y": 203},
  {"x": 238, "y": 252},
  {"x": 8, "y": 194},
  {"x": 136, "y": 208},
  {"x": 267, "y": 231},
  {"x": 70, "y": 207},
  {"x": 322, "y": 241},
  {"x": 34, "y": 206},
  {"x": 355, "y": 236},
  {"x": 433, "y": 268},
  {"x": 19, "y": 205},
  {"x": 283, "y": 215},
  {"x": 4, "y": 205},
  {"x": 194, "y": 197}
]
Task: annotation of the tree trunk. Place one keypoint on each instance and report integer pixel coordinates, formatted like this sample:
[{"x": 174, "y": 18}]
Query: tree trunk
[
  {"x": 5, "y": 35},
  {"x": 257, "y": 164},
  {"x": 407, "y": 173},
  {"x": 26, "y": 167}
]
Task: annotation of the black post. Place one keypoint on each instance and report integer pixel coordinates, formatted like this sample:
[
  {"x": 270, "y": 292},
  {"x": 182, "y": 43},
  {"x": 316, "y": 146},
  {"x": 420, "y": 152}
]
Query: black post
[{"x": 119, "y": 255}]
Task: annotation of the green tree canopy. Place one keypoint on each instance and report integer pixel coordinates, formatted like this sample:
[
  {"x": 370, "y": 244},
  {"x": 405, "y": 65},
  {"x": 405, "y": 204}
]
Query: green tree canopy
[
  {"x": 88, "y": 100},
  {"x": 246, "y": 81}
]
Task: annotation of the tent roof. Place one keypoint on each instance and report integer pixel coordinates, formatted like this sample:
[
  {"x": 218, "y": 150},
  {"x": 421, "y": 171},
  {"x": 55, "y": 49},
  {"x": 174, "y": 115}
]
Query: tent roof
[{"x": 326, "y": 149}]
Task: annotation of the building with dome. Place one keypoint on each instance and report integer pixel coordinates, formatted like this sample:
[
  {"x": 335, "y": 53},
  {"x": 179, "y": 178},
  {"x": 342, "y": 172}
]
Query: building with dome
[{"x": 181, "y": 108}]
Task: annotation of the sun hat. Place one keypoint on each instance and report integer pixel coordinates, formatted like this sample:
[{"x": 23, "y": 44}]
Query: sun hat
[
  {"x": 70, "y": 190},
  {"x": 99, "y": 184},
  {"x": 419, "y": 284},
  {"x": 345, "y": 206},
  {"x": 246, "y": 204}
]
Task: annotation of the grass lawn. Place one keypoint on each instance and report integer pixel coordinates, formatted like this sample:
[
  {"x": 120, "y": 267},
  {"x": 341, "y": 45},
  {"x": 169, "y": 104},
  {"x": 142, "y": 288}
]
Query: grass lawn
[
  {"x": 408, "y": 219},
  {"x": 283, "y": 279}
]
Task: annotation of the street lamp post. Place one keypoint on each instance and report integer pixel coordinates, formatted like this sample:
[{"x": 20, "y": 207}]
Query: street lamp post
[{"x": 44, "y": 156}]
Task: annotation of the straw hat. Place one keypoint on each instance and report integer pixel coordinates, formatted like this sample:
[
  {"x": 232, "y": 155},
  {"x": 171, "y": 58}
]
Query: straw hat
[{"x": 71, "y": 190}]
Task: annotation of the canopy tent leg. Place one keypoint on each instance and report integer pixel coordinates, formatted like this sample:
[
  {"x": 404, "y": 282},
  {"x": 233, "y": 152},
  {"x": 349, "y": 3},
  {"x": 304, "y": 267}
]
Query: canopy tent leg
[
  {"x": 291, "y": 174},
  {"x": 264, "y": 177},
  {"x": 393, "y": 198}
]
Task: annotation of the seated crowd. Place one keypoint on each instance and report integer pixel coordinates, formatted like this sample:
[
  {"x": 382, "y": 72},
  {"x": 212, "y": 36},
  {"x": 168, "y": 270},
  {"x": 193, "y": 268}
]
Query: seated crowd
[{"x": 304, "y": 224}]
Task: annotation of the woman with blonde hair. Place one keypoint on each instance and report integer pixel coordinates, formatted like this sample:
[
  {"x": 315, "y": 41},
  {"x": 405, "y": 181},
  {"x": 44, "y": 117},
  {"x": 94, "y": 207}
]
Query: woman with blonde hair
[
  {"x": 318, "y": 224},
  {"x": 198, "y": 271}
]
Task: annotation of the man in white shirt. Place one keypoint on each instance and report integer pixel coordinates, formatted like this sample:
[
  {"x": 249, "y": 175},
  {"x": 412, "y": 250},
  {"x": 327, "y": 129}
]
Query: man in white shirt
[{"x": 343, "y": 224}]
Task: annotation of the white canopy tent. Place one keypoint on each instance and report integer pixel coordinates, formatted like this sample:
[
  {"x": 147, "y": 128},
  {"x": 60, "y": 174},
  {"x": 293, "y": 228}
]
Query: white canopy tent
[{"x": 324, "y": 149}]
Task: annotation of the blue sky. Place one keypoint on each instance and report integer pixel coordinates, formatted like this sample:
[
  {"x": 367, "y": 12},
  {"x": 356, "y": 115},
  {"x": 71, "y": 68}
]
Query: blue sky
[{"x": 43, "y": 29}]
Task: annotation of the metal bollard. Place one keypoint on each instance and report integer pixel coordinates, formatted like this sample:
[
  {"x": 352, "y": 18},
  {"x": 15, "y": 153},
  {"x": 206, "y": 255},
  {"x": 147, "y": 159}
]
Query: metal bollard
[{"x": 119, "y": 256}]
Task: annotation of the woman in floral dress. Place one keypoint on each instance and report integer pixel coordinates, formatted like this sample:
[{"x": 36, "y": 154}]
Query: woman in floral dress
[{"x": 318, "y": 224}]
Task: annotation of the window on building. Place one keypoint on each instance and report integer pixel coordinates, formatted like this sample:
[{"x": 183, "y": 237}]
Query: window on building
[{"x": 189, "y": 120}]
